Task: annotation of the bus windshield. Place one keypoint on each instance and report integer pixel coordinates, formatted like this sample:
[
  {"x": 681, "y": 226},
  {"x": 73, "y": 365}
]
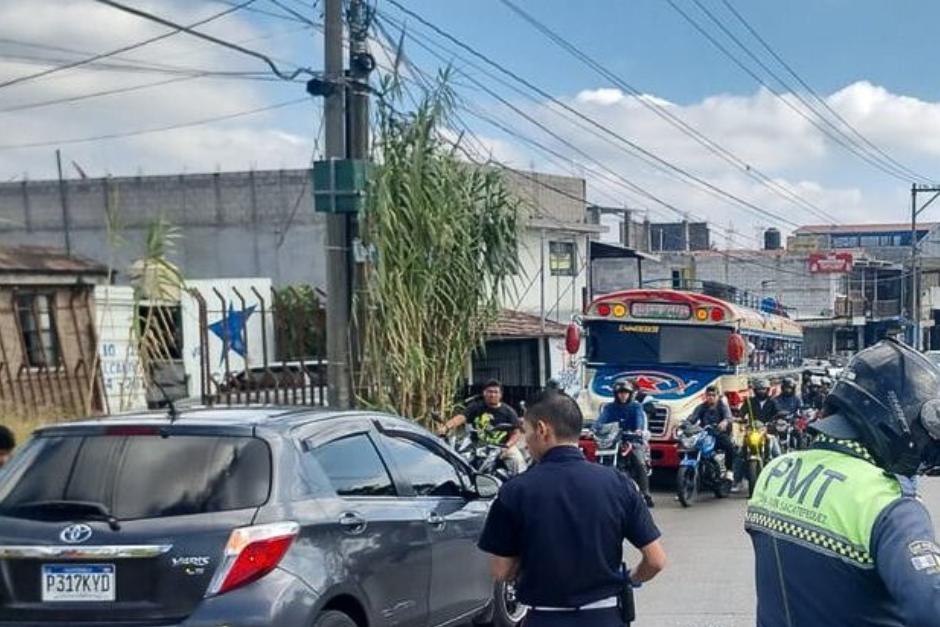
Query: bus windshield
[{"x": 626, "y": 343}]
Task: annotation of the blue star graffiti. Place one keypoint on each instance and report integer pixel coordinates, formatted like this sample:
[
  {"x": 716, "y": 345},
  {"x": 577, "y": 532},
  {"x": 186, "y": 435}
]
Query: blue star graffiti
[{"x": 232, "y": 330}]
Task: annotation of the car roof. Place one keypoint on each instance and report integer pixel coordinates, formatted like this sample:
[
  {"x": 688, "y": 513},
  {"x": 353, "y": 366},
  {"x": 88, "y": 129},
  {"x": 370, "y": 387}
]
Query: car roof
[{"x": 275, "y": 417}]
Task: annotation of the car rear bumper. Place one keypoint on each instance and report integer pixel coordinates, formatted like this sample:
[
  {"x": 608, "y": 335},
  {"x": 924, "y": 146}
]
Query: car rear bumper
[{"x": 280, "y": 598}]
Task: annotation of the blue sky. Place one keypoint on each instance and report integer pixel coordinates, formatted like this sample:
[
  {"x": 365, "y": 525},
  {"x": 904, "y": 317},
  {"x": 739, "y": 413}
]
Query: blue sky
[{"x": 872, "y": 61}]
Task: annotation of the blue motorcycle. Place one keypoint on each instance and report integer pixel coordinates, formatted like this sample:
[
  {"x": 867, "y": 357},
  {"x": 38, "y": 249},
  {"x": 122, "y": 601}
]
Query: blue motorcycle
[{"x": 702, "y": 467}]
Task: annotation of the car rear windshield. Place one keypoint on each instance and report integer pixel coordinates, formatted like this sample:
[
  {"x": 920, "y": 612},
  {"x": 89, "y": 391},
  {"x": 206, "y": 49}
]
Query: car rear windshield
[{"x": 140, "y": 476}]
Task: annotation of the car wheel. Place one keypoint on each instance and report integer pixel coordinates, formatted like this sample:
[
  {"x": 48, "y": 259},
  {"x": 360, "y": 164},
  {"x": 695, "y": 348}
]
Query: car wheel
[
  {"x": 507, "y": 611},
  {"x": 334, "y": 619}
]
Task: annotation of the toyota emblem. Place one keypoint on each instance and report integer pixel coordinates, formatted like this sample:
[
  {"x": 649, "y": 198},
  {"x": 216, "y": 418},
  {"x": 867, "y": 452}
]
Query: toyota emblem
[{"x": 76, "y": 534}]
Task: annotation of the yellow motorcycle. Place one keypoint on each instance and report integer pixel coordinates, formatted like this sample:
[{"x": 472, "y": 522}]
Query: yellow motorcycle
[{"x": 755, "y": 444}]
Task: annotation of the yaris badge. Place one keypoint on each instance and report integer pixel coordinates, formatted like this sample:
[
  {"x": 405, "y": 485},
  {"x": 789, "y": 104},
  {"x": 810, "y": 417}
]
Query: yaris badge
[{"x": 76, "y": 534}]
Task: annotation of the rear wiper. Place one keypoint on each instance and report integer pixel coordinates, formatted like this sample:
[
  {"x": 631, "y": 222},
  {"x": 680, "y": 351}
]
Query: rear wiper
[{"x": 87, "y": 510}]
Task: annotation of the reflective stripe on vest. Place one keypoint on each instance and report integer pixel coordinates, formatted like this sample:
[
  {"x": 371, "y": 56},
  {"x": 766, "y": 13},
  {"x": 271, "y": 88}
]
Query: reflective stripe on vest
[{"x": 824, "y": 500}]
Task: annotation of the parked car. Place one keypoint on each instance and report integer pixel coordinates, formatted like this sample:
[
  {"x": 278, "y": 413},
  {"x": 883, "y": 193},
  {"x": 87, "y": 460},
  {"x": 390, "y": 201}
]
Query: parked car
[{"x": 244, "y": 517}]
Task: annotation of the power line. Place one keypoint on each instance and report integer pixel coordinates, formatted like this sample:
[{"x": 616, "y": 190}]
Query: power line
[
  {"x": 159, "y": 129},
  {"x": 662, "y": 163},
  {"x": 813, "y": 92},
  {"x": 847, "y": 145},
  {"x": 220, "y": 42},
  {"x": 111, "y": 53},
  {"x": 677, "y": 122}
]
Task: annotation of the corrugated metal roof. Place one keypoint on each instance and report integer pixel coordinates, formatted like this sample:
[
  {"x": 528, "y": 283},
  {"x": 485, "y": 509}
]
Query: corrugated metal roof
[
  {"x": 46, "y": 260},
  {"x": 516, "y": 324}
]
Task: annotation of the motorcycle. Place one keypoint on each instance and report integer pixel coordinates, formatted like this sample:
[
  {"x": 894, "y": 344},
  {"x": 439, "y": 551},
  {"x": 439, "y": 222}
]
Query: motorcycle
[
  {"x": 701, "y": 467},
  {"x": 630, "y": 442},
  {"x": 484, "y": 456},
  {"x": 757, "y": 449},
  {"x": 608, "y": 444},
  {"x": 801, "y": 428}
]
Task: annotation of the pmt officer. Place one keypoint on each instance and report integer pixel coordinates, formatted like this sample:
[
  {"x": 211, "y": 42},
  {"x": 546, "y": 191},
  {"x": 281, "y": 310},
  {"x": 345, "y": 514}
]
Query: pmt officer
[
  {"x": 558, "y": 529},
  {"x": 839, "y": 535}
]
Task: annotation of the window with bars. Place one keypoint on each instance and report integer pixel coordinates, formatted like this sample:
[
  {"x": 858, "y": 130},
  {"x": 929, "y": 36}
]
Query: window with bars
[
  {"x": 562, "y": 259},
  {"x": 36, "y": 313}
]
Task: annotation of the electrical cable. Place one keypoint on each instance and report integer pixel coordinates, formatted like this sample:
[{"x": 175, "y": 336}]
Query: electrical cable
[{"x": 74, "y": 64}]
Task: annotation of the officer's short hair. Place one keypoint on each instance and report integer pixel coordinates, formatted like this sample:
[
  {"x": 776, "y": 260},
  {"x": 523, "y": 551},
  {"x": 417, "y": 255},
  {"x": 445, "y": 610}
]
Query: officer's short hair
[
  {"x": 560, "y": 411},
  {"x": 7, "y": 439}
]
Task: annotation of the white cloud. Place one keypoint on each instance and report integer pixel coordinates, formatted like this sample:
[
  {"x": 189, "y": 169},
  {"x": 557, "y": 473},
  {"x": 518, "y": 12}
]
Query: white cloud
[{"x": 85, "y": 25}]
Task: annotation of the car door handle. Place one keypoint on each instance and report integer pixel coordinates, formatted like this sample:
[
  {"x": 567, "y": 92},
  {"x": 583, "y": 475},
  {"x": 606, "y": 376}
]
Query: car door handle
[
  {"x": 353, "y": 523},
  {"x": 436, "y": 521}
]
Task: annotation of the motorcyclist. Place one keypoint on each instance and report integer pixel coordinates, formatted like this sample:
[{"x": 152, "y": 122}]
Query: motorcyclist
[
  {"x": 787, "y": 402},
  {"x": 714, "y": 412},
  {"x": 759, "y": 411},
  {"x": 813, "y": 397},
  {"x": 839, "y": 535},
  {"x": 628, "y": 412},
  {"x": 496, "y": 423}
]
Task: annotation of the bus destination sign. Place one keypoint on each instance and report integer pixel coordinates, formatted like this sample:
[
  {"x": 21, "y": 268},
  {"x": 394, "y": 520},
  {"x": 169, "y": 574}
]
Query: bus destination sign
[{"x": 661, "y": 311}]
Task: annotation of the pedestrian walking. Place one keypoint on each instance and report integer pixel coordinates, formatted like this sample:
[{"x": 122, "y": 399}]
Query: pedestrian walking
[{"x": 558, "y": 529}]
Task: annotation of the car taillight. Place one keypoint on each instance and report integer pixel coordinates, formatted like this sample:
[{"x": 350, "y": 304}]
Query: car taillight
[{"x": 251, "y": 553}]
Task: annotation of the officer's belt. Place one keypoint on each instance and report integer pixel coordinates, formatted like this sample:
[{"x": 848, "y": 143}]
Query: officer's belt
[{"x": 603, "y": 604}]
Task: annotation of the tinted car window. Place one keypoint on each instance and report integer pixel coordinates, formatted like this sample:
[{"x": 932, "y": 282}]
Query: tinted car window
[
  {"x": 427, "y": 472},
  {"x": 354, "y": 467},
  {"x": 143, "y": 476}
]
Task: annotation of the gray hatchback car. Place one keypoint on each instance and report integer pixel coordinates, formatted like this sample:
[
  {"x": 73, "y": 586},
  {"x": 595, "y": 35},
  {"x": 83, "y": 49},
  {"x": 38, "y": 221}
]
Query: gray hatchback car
[{"x": 244, "y": 517}]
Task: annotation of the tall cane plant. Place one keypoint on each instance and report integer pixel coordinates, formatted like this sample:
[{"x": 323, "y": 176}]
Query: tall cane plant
[{"x": 444, "y": 238}]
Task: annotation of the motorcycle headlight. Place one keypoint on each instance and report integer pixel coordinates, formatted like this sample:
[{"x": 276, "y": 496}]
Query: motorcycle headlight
[{"x": 754, "y": 438}]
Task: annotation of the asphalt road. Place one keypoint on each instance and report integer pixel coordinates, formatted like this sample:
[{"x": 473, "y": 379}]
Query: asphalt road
[{"x": 709, "y": 581}]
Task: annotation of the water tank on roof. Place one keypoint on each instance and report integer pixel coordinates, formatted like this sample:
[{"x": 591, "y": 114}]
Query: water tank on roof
[{"x": 772, "y": 239}]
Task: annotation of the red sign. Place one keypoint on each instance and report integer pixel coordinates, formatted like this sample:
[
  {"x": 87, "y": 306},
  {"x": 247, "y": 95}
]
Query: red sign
[{"x": 830, "y": 262}]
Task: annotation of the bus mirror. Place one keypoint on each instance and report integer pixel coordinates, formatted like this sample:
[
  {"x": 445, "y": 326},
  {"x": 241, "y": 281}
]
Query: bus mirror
[
  {"x": 573, "y": 339},
  {"x": 737, "y": 349}
]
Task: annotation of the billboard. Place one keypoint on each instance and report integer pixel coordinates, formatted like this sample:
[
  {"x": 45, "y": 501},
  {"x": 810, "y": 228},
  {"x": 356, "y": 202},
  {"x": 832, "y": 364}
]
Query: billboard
[{"x": 831, "y": 262}]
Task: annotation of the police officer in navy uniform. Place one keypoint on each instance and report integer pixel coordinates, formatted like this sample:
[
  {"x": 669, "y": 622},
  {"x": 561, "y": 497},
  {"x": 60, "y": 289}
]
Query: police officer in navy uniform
[
  {"x": 839, "y": 534},
  {"x": 558, "y": 529}
]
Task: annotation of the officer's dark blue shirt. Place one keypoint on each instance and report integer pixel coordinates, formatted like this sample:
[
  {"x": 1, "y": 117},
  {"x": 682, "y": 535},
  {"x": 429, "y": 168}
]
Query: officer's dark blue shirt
[
  {"x": 630, "y": 416},
  {"x": 566, "y": 520}
]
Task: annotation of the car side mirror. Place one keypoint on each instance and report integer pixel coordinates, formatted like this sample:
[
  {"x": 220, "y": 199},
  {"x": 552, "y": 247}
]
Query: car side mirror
[{"x": 487, "y": 486}]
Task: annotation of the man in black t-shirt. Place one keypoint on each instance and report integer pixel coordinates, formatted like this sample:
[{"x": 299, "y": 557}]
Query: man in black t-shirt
[{"x": 495, "y": 423}]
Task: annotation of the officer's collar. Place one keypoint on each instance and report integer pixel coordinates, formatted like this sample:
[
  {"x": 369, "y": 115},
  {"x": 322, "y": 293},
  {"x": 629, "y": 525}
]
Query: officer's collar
[
  {"x": 848, "y": 447},
  {"x": 562, "y": 453}
]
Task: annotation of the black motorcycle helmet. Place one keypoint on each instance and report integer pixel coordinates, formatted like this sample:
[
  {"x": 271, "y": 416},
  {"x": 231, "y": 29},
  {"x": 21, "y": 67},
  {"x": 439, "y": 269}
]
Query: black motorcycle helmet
[
  {"x": 888, "y": 398},
  {"x": 788, "y": 383}
]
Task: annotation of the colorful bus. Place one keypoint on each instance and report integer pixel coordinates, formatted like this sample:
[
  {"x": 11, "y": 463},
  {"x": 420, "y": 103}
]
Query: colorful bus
[{"x": 672, "y": 344}]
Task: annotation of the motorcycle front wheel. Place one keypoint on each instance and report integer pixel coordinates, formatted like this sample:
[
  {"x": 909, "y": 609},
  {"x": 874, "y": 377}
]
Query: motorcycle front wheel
[
  {"x": 753, "y": 471},
  {"x": 687, "y": 485}
]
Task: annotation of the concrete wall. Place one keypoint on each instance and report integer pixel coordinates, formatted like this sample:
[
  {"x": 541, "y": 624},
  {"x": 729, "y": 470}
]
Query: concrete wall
[
  {"x": 259, "y": 224},
  {"x": 233, "y": 224},
  {"x": 563, "y": 294}
]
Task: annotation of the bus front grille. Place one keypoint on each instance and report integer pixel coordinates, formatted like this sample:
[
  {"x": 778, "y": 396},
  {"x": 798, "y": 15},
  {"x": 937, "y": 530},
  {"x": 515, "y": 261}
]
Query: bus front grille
[{"x": 658, "y": 420}]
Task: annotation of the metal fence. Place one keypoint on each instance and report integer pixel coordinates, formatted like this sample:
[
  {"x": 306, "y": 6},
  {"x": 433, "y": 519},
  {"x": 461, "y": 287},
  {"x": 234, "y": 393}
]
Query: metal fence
[{"x": 283, "y": 364}]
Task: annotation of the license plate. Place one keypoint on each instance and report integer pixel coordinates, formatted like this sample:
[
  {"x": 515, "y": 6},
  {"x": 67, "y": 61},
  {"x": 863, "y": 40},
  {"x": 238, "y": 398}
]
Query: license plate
[{"x": 78, "y": 582}]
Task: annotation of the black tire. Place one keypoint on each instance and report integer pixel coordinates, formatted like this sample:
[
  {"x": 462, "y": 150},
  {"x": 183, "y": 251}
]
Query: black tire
[
  {"x": 333, "y": 618},
  {"x": 753, "y": 472},
  {"x": 507, "y": 611},
  {"x": 723, "y": 490},
  {"x": 687, "y": 485}
]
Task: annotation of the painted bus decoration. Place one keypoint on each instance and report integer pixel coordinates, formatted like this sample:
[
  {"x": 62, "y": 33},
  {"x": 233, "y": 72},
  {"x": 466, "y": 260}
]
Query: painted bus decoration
[{"x": 673, "y": 344}]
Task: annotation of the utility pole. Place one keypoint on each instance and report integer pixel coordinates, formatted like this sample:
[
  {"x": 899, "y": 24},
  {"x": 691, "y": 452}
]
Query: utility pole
[
  {"x": 361, "y": 64},
  {"x": 915, "y": 275},
  {"x": 337, "y": 225},
  {"x": 64, "y": 199}
]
